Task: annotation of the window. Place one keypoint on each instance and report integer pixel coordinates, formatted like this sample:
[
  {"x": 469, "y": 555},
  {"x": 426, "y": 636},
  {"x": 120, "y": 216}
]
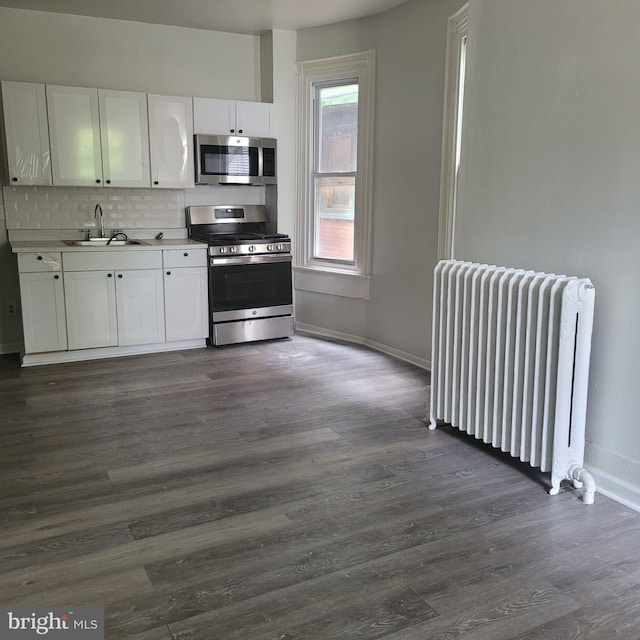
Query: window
[
  {"x": 336, "y": 151},
  {"x": 334, "y": 176},
  {"x": 452, "y": 129}
]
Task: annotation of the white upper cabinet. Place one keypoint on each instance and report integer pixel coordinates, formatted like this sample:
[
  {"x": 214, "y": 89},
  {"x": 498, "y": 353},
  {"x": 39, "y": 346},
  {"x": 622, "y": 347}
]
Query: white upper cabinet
[
  {"x": 253, "y": 119},
  {"x": 214, "y": 117},
  {"x": 98, "y": 137},
  {"x": 27, "y": 133},
  {"x": 124, "y": 133},
  {"x": 224, "y": 117},
  {"x": 171, "y": 141},
  {"x": 74, "y": 130}
]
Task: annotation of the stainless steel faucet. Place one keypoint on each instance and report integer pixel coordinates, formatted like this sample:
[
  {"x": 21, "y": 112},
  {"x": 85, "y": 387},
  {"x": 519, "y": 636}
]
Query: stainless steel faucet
[{"x": 97, "y": 214}]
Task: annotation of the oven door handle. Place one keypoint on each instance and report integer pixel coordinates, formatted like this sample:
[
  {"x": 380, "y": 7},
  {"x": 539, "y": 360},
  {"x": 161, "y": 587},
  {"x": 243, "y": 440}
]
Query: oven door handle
[{"x": 257, "y": 259}]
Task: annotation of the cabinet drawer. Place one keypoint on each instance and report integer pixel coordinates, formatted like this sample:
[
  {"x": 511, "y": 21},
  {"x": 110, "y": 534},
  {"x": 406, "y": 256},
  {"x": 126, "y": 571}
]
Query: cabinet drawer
[
  {"x": 35, "y": 262},
  {"x": 185, "y": 258},
  {"x": 106, "y": 260}
]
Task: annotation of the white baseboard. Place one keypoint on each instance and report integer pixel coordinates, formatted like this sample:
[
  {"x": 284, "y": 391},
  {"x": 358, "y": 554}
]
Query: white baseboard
[
  {"x": 423, "y": 363},
  {"x": 109, "y": 352},
  {"x": 10, "y": 347},
  {"x": 302, "y": 327},
  {"x": 616, "y": 489}
]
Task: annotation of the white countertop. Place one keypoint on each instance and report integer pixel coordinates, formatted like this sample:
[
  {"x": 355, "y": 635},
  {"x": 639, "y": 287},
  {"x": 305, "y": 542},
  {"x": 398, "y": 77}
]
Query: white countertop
[{"x": 31, "y": 246}]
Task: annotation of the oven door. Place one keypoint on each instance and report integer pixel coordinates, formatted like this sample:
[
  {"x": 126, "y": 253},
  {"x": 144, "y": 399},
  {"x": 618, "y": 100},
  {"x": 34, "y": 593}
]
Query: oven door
[{"x": 246, "y": 287}]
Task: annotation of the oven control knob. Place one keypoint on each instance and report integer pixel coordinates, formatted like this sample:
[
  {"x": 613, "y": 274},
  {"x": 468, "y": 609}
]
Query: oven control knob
[
  {"x": 269, "y": 247},
  {"x": 279, "y": 247},
  {"x": 223, "y": 249},
  {"x": 234, "y": 249},
  {"x": 252, "y": 249}
]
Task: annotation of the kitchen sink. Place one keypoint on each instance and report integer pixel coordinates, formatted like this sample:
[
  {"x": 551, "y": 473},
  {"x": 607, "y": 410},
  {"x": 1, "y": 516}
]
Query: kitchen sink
[{"x": 102, "y": 242}]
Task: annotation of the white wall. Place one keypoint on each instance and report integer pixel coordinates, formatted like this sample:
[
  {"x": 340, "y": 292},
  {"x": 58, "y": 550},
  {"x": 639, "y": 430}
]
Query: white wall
[
  {"x": 283, "y": 123},
  {"x": 550, "y": 166},
  {"x": 410, "y": 56},
  {"x": 57, "y": 48}
]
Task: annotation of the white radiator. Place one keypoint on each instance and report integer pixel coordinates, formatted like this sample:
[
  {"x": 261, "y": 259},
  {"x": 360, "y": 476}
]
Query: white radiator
[{"x": 510, "y": 363}]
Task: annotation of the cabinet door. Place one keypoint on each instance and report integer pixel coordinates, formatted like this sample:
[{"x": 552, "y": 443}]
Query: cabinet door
[
  {"x": 171, "y": 141},
  {"x": 27, "y": 133},
  {"x": 43, "y": 313},
  {"x": 140, "y": 302},
  {"x": 253, "y": 119},
  {"x": 90, "y": 302},
  {"x": 186, "y": 303},
  {"x": 214, "y": 117},
  {"x": 74, "y": 130},
  {"x": 124, "y": 133}
]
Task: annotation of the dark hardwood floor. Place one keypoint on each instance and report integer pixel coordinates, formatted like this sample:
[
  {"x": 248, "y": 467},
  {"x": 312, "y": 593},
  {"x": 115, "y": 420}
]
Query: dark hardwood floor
[{"x": 286, "y": 491}]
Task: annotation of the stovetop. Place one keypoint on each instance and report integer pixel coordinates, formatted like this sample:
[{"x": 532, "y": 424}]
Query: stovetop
[
  {"x": 239, "y": 238},
  {"x": 235, "y": 229}
]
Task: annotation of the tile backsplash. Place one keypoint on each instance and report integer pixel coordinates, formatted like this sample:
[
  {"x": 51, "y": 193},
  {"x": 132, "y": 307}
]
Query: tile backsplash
[{"x": 72, "y": 208}]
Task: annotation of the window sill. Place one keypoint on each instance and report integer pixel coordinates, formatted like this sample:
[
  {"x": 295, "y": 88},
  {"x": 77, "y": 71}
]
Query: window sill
[{"x": 334, "y": 283}]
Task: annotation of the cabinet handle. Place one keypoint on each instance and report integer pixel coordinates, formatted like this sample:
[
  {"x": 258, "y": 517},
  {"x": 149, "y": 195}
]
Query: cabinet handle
[
  {"x": 56, "y": 277},
  {"x": 98, "y": 180},
  {"x": 168, "y": 273},
  {"x": 233, "y": 130},
  {"x": 119, "y": 275},
  {"x": 186, "y": 255},
  {"x": 109, "y": 275},
  {"x": 39, "y": 257},
  {"x": 155, "y": 182},
  {"x": 14, "y": 179},
  {"x": 239, "y": 130},
  {"x": 108, "y": 181}
]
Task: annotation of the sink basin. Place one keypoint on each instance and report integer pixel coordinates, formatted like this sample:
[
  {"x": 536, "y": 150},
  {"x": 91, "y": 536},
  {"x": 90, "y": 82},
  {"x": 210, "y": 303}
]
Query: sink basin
[{"x": 101, "y": 242}]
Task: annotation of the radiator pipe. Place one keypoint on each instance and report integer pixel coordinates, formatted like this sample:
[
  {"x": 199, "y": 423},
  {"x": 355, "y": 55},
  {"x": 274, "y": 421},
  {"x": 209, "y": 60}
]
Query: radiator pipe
[{"x": 581, "y": 476}]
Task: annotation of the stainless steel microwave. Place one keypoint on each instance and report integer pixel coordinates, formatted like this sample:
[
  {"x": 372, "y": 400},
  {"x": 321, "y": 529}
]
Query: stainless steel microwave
[{"x": 235, "y": 160}]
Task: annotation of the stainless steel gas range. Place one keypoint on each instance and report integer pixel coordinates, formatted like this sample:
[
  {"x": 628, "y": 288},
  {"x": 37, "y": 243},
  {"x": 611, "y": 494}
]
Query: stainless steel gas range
[{"x": 250, "y": 284}]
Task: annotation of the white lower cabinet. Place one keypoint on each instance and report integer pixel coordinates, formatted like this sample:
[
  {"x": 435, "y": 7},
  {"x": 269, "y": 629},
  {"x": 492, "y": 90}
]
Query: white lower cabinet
[
  {"x": 114, "y": 298},
  {"x": 186, "y": 301},
  {"x": 186, "y": 294},
  {"x": 43, "y": 313},
  {"x": 114, "y": 308},
  {"x": 140, "y": 306},
  {"x": 42, "y": 298},
  {"x": 95, "y": 299},
  {"x": 92, "y": 319}
]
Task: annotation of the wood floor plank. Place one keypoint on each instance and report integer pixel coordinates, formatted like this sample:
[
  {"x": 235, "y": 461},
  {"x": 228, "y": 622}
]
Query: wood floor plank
[
  {"x": 23, "y": 583},
  {"x": 229, "y": 452},
  {"x": 97, "y": 590},
  {"x": 339, "y": 605}
]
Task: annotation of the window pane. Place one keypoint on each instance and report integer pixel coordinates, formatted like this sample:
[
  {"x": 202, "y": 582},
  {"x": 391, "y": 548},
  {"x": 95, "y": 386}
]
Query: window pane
[
  {"x": 334, "y": 207},
  {"x": 338, "y": 128}
]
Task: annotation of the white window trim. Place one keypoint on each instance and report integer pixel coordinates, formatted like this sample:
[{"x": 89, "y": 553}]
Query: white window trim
[
  {"x": 458, "y": 28},
  {"x": 325, "y": 276}
]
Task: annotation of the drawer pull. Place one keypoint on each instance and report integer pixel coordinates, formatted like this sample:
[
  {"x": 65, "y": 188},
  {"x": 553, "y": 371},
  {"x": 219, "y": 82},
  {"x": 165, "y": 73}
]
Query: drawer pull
[{"x": 39, "y": 257}]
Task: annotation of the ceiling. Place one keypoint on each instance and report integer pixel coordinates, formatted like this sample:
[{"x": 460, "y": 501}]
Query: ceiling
[{"x": 236, "y": 16}]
